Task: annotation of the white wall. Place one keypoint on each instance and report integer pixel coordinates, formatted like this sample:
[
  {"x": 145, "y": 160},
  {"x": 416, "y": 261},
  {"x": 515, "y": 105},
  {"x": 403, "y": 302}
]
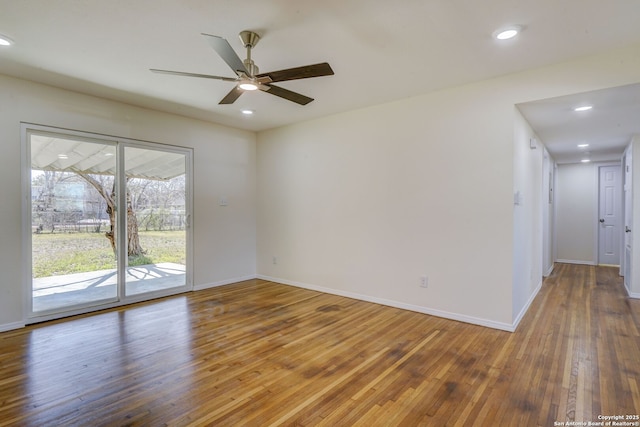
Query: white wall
[
  {"x": 368, "y": 201},
  {"x": 527, "y": 215},
  {"x": 364, "y": 203},
  {"x": 224, "y": 165},
  {"x": 577, "y": 202}
]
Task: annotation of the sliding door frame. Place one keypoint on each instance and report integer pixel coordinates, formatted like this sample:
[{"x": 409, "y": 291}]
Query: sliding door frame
[{"x": 121, "y": 221}]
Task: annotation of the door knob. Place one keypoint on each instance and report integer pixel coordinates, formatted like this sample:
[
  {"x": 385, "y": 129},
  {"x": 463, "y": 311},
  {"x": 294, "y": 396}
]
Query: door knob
[
  {"x": 627, "y": 229},
  {"x": 601, "y": 219}
]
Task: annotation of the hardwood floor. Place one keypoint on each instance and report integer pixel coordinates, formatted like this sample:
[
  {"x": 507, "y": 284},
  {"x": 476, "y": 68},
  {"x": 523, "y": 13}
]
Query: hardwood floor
[{"x": 258, "y": 353}]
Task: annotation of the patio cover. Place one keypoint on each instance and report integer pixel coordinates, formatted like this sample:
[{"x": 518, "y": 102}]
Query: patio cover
[{"x": 54, "y": 153}]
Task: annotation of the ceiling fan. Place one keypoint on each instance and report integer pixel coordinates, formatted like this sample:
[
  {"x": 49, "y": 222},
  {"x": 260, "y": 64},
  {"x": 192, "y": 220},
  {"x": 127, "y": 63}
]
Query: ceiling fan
[{"x": 248, "y": 77}]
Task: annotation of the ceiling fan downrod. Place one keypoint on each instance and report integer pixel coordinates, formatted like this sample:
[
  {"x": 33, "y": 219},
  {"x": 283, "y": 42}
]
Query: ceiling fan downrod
[{"x": 249, "y": 41}]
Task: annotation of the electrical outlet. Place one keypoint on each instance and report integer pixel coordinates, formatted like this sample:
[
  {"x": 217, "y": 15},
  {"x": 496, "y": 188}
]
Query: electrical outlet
[{"x": 424, "y": 281}]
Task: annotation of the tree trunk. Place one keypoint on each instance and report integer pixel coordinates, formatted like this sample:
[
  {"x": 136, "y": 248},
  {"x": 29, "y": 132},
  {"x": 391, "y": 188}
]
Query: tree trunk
[
  {"x": 112, "y": 222},
  {"x": 133, "y": 238}
]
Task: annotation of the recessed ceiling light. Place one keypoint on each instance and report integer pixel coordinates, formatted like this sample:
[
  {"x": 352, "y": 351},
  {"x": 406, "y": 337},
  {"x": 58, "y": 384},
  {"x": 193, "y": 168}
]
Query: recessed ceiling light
[
  {"x": 583, "y": 145},
  {"x": 583, "y": 108},
  {"x": 508, "y": 32},
  {"x": 63, "y": 156},
  {"x": 247, "y": 112},
  {"x": 5, "y": 41},
  {"x": 585, "y": 160}
]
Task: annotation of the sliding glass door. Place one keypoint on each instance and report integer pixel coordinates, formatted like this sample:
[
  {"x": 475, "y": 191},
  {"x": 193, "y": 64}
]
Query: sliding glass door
[
  {"x": 156, "y": 199},
  {"x": 86, "y": 251},
  {"x": 72, "y": 190}
]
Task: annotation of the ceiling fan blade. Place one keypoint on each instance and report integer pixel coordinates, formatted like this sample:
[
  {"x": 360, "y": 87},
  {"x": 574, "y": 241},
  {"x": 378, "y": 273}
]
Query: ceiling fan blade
[
  {"x": 264, "y": 79},
  {"x": 226, "y": 52},
  {"x": 305, "y": 72},
  {"x": 289, "y": 95},
  {"x": 203, "y": 76},
  {"x": 231, "y": 97}
]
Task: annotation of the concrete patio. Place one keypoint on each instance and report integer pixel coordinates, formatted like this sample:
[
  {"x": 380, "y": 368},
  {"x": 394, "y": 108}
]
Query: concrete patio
[{"x": 67, "y": 290}]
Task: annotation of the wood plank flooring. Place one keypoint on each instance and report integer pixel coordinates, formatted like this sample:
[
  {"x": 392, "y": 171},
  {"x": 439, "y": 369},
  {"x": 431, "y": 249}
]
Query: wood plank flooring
[{"x": 258, "y": 353}]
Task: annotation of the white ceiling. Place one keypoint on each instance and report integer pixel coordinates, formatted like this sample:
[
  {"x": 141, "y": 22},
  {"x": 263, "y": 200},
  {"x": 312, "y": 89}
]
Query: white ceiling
[
  {"x": 380, "y": 50},
  {"x": 608, "y": 127}
]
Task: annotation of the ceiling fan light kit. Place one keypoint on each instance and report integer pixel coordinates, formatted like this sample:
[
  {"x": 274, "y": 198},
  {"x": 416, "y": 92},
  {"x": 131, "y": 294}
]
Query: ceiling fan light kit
[
  {"x": 248, "y": 77},
  {"x": 247, "y": 85}
]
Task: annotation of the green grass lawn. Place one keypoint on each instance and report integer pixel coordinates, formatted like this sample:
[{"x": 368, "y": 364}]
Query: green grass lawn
[{"x": 66, "y": 253}]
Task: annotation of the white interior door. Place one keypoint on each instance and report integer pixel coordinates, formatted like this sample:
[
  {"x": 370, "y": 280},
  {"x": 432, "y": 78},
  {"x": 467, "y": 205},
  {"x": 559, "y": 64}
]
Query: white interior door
[
  {"x": 628, "y": 213},
  {"x": 609, "y": 229}
]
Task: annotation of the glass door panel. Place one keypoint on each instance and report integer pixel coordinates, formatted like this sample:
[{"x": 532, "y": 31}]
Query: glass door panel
[
  {"x": 156, "y": 218},
  {"x": 73, "y": 222}
]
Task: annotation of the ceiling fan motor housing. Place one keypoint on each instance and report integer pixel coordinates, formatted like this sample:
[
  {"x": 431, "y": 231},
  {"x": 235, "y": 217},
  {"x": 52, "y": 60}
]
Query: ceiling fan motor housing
[{"x": 251, "y": 67}]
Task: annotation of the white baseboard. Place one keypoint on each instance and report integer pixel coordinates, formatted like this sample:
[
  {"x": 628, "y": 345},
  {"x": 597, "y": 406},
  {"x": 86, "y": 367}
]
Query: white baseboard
[
  {"x": 397, "y": 304},
  {"x": 573, "y": 261},
  {"x": 11, "y": 326},
  {"x": 548, "y": 273},
  {"x": 223, "y": 282},
  {"x": 634, "y": 295},
  {"x": 524, "y": 310}
]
